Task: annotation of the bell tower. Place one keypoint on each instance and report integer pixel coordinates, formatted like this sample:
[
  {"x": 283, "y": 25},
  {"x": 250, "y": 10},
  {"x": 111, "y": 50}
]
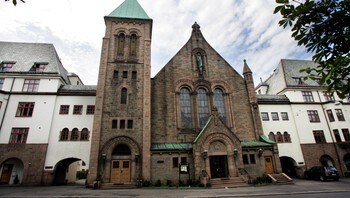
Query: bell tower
[{"x": 121, "y": 135}]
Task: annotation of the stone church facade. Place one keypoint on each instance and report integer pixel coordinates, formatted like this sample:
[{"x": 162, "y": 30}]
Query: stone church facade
[{"x": 197, "y": 119}]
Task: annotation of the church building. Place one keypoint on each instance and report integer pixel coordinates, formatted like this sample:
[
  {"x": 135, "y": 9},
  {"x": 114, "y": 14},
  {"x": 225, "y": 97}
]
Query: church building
[{"x": 196, "y": 120}]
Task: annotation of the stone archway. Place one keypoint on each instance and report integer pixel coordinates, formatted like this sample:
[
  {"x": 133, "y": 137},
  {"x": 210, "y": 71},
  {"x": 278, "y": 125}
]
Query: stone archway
[
  {"x": 288, "y": 166},
  {"x": 66, "y": 171},
  {"x": 326, "y": 160},
  {"x": 11, "y": 171}
]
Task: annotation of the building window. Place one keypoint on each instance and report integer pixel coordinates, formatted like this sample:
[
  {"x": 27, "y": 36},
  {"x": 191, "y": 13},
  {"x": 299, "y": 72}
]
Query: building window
[
  {"x": 30, "y": 85},
  {"x": 64, "y": 134},
  {"x": 115, "y": 74},
  {"x": 284, "y": 116},
  {"x": 307, "y": 96},
  {"x": 245, "y": 159},
  {"x": 330, "y": 115},
  {"x": 90, "y": 109},
  {"x": 84, "y": 134},
  {"x": 75, "y": 134},
  {"x": 319, "y": 136},
  {"x": 203, "y": 107},
  {"x": 1, "y": 83},
  {"x": 274, "y": 116},
  {"x": 38, "y": 67},
  {"x": 133, "y": 44},
  {"x": 346, "y": 134},
  {"x": 125, "y": 74},
  {"x": 114, "y": 124},
  {"x": 134, "y": 75},
  {"x": 265, "y": 116},
  {"x": 64, "y": 109},
  {"x": 19, "y": 135},
  {"x": 336, "y": 135},
  {"x": 279, "y": 137},
  {"x": 252, "y": 158},
  {"x": 25, "y": 109},
  {"x": 77, "y": 109},
  {"x": 175, "y": 162},
  {"x": 219, "y": 103},
  {"x": 313, "y": 116},
  {"x": 186, "y": 108},
  {"x": 122, "y": 124},
  {"x": 328, "y": 97},
  {"x": 6, "y": 66},
  {"x": 298, "y": 80},
  {"x": 286, "y": 137},
  {"x": 183, "y": 160},
  {"x": 123, "y": 96},
  {"x": 121, "y": 44},
  {"x": 272, "y": 136},
  {"x": 339, "y": 114},
  {"x": 130, "y": 124}
]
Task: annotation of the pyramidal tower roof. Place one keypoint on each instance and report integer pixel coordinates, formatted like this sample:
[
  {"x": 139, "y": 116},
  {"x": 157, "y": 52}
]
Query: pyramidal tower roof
[{"x": 130, "y": 9}]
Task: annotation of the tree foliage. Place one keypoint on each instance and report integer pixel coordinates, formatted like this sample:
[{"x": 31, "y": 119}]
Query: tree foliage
[
  {"x": 15, "y": 1},
  {"x": 323, "y": 27}
]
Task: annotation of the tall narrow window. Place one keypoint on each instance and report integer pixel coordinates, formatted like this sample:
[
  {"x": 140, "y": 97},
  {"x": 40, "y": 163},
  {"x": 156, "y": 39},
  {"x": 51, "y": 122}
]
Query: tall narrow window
[
  {"x": 279, "y": 137},
  {"x": 133, "y": 44},
  {"x": 123, "y": 96},
  {"x": 272, "y": 136},
  {"x": 122, "y": 124},
  {"x": 75, "y": 134},
  {"x": 219, "y": 103},
  {"x": 328, "y": 97},
  {"x": 134, "y": 75},
  {"x": 336, "y": 135},
  {"x": 330, "y": 115},
  {"x": 286, "y": 137},
  {"x": 121, "y": 44},
  {"x": 203, "y": 107},
  {"x": 313, "y": 116},
  {"x": 1, "y": 83},
  {"x": 130, "y": 124},
  {"x": 186, "y": 110},
  {"x": 84, "y": 134},
  {"x": 64, "y": 134},
  {"x": 346, "y": 134},
  {"x": 319, "y": 136}
]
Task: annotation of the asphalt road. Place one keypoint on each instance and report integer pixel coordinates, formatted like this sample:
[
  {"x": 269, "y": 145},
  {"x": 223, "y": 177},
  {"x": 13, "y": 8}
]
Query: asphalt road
[{"x": 300, "y": 188}]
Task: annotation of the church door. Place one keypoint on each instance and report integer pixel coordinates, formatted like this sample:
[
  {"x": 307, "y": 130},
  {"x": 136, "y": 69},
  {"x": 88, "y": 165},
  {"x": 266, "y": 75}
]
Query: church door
[
  {"x": 120, "y": 172},
  {"x": 268, "y": 165},
  {"x": 218, "y": 166},
  {"x": 6, "y": 173}
]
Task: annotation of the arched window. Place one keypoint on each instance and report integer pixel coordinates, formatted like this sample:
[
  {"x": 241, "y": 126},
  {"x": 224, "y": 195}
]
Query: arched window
[
  {"x": 286, "y": 137},
  {"x": 186, "y": 109},
  {"x": 121, "y": 44},
  {"x": 220, "y": 104},
  {"x": 64, "y": 134},
  {"x": 133, "y": 44},
  {"x": 75, "y": 134},
  {"x": 203, "y": 107},
  {"x": 84, "y": 134},
  {"x": 279, "y": 137},
  {"x": 272, "y": 136},
  {"x": 121, "y": 149},
  {"x": 123, "y": 96}
]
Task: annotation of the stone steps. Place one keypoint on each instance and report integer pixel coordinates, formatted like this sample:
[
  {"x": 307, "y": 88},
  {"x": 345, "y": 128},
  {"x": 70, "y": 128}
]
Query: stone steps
[
  {"x": 109, "y": 186},
  {"x": 280, "y": 179},
  {"x": 228, "y": 182}
]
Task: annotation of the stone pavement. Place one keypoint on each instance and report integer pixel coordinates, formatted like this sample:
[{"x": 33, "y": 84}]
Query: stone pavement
[{"x": 300, "y": 186}]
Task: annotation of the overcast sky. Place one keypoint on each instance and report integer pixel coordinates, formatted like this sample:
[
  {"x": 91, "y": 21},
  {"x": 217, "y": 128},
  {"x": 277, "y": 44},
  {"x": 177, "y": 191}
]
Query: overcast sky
[{"x": 237, "y": 29}]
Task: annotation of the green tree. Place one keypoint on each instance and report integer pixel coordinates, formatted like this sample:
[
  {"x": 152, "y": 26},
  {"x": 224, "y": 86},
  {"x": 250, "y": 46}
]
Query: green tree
[
  {"x": 15, "y": 1},
  {"x": 323, "y": 27}
]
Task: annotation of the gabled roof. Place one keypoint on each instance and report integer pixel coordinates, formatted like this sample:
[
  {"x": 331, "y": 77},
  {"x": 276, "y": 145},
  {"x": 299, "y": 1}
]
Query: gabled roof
[
  {"x": 25, "y": 55},
  {"x": 130, "y": 9}
]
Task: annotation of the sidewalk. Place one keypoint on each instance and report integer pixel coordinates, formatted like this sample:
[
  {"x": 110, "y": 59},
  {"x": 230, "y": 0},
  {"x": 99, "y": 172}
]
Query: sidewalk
[{"x": 300, "y": 186}]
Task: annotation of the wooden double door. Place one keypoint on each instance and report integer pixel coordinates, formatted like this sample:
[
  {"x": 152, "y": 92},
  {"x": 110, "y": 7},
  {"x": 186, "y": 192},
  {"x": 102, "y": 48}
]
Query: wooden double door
[
  {"x": 6, "y": 173},
  {"x": 120, "y": 171}
]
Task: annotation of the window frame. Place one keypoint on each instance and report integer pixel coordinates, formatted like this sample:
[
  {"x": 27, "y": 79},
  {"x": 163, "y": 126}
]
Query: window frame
[
  {"x": 274, "y": 116},
  {"x": 25, "y": 109},
  {"x": 330, "y": 115},
  {"x": 186, "y": 108},
  {"x": 2, "y": 80},
  {"x": 84, "y": 134},
  {"x": 90, "y": 109},
  {"x": 64, "y": 110},
  {"x": 19, "y": 135},
  {"x": 30, "y": 85},
  {"x": 313, "y": 116},
  {"x": 64, "y": 135},
  {"x": 337, "y": 135},
  {"x": 264, "y": 116},
  {"x": 319, "y": 137},
  {"x": 6, "y": 66},
  {"x": 74, "y": 136},
  {"x": 339, "y": 114},
  {"x": 284, "y": 116},
  {"x": 77, "y": 109},
  {"x": 346, "y": 134},
  {"x": 308, "y": 96}
]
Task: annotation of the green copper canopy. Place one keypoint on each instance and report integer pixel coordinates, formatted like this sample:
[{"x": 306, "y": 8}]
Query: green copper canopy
[{"x": 130, "y": 9}]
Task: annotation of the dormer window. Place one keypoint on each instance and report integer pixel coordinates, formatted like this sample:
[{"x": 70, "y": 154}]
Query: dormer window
[
  {"x": 6, "y": 66},
  {"x": 38, "y": 67},
  {"x": 298, "y": 81}
]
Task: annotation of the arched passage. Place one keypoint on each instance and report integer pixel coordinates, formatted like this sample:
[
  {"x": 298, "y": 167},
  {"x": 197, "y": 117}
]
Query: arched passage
[
  {"x": 11, "y": 171},
  {"x": 326, "y": 160},
  {"x": 65, "y": 171},
  {"x": 346, "y": 160},
  {"x": 288, "y": 166}
]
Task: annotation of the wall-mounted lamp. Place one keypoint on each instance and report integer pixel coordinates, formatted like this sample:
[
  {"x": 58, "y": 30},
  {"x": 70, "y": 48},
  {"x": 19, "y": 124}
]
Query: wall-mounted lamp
[
  {"x": 235, "y": 153},
  {"x": 205, "y": 154},
  {"x": 260, "y": 152}
]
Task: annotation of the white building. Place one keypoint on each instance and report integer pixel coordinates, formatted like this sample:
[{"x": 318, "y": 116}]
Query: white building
[{"x": 310, "y": 126}]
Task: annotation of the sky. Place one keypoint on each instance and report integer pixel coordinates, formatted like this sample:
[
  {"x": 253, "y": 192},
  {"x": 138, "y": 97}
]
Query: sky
[{"x": 236, "y": 29}]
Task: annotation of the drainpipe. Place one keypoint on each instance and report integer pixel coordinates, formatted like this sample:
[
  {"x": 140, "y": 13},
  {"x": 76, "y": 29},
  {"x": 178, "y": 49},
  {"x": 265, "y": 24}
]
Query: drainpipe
[{"x": 7, "y": 103}]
